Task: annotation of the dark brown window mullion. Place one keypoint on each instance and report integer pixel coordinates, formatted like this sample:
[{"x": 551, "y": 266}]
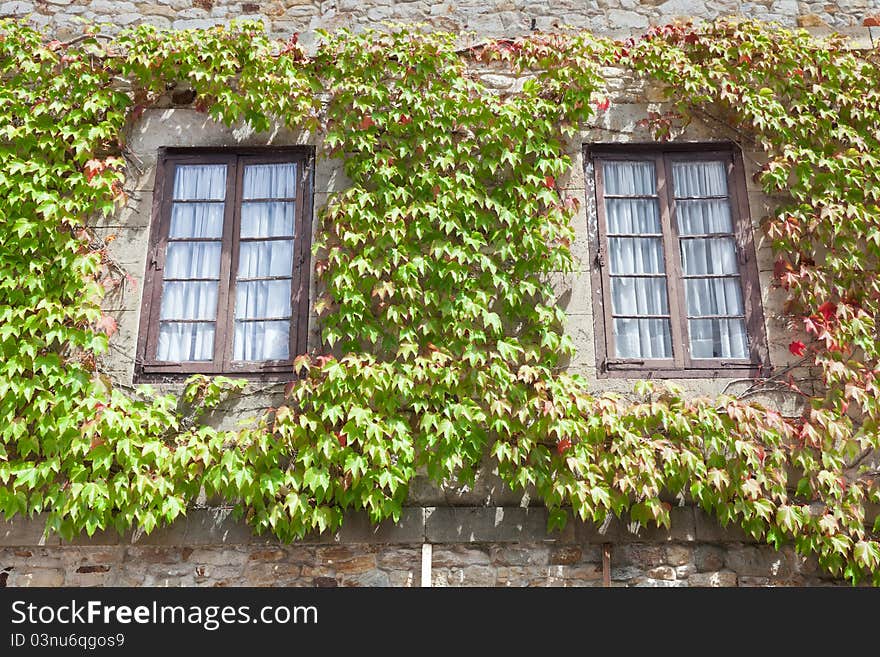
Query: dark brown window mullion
[
  {"x": 299, "y": 284},
  {"x": 228, "y": 262},
  {"x": 672, "y": 254},
  {"x": 232, "y": 242}
]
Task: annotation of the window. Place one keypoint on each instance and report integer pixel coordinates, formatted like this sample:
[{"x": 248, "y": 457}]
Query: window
[
  {"x": 676, "y": 274},
  {"x": 226, "y": 289}
]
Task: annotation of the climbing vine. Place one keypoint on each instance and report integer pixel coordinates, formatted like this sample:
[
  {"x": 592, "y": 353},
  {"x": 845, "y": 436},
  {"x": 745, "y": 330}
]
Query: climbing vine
[{"x": 442, "y": 344}]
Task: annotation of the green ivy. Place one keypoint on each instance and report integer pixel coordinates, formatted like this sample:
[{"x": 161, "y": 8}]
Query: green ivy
[{"x": 445, "y": 343}]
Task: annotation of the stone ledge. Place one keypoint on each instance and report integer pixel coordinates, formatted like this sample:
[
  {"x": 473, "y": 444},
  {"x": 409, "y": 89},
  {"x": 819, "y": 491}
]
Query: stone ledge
[{"x": 432, "y": 524}]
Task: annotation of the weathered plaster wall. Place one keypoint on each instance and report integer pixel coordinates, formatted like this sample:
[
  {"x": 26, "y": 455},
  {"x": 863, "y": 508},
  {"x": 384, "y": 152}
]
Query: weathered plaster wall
[
  {"x": 483, "y": 17},
  {"x": 493, "y": 546}
]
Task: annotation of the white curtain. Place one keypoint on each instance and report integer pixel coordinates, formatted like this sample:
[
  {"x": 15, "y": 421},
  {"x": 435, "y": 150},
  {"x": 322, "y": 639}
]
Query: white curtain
[
  {"x": 267, "y": 219},
  {"x": 200, "y": 182},
  {"x": 626, "y": 178},
  {"x": 185, "y": 342},
  {"x": 264, "y": 300},
  {"x": 200, "y": 220},
  {"x": 699, "y": 179},
  {"x": 631, "y": 294},
  {"x": 182, "y": 300},
  {"x": 270, "y": 181},
  {"x": 712, "y": 283},
  {"x": 262, "y": 340}
]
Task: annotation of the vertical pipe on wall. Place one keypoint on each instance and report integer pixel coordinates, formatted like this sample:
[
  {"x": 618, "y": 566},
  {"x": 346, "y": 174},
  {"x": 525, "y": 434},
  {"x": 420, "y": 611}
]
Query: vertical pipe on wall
[
  {"x": 426, "y": 564},
  {"x": 606, "y": 564}
]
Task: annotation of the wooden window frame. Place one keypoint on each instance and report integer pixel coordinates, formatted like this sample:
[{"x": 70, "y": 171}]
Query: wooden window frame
[
  {"x": 147, "y": 368},
  {"x": 681, "y": 365}
]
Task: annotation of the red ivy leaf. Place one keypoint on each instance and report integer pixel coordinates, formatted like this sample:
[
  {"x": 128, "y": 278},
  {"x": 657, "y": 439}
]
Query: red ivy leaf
[
  {"x": 549, "y": 182},
  {"x": 563, "y": 445},
  {"x": 366, "y": 122},
  {"x": 93, "y": 167},
  {"x": 828, "y": 310},
  {"x": 603, "y": 104},
  {"x": 797, "y": 348},
  {"x": 107, "y": 324}
]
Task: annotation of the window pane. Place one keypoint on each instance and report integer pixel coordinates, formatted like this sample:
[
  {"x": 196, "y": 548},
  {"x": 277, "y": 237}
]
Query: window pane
[
  {"x": 185, "y": 300},
  {"x": 629, "y": 178},
  {"x": 632, "y": 215},
  {"x": 261, "y": 341},
  {"x": 193, "y": 260},
  {"x": 718, "y": 338},
  {"x": 185, "y": 342},
  {"x": 634, "y": 255},
  {"x": 272, "y": 219},
  {"x": 259, "y": 299},
  {"x": 699, "y": 178},
  {"x": 704, "y": 216},
  {"x": 709, "y": 256},
  {"x": 270, "y": 180},
  {"x": 196, "y": 220},
  {"x": 200, "y": 181},
  {"x": 642, "y": 338},
  {"x": 639, "y": 296},
  {"x": 260, "y": 259},
  {"x": 713, "y": 296}
]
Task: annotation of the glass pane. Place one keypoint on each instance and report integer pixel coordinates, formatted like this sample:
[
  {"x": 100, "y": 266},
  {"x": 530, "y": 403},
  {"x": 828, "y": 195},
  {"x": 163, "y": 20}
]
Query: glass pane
[
  {"x": 629, "y": 178},
  {"x": 704, "y": 216},
  {"x": 713, "y": 296},
  {"x": 636, "y": 255},
  {"x": 196, "y": 220},
  {"x": 259, "y": 259},
  {"x": 262, "y": 341},
  {"x": 193, "y": 260},
  {"x": 718, "y": 338},
  {"x": 632, "y": 215},
  {"x": 639, "y": 296},
  {"x": 184, "y": 300},
  {"x": 699, "y": 178},
  {"x": 259, "y": 299},
  {"x": 642, "y": 338},
  {"x": 709, "y": 256},
  {"x": 273, "y": 219},
  {"x": 270, "y": 180},
  {"x": 185, "y": 342},
  {"x": 200, "y": 181}
]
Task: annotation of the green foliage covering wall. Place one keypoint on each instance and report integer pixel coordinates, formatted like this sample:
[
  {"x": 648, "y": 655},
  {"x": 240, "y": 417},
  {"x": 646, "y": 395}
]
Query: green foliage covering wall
[{"x": 437, "y": 304}]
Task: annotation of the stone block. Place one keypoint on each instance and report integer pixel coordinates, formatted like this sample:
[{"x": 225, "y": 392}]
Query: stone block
[
  {"x": 709, "y": 530},
  {"x": 678, "y": 555},
  {"x": 36, "y": 577},
  {"x": 662, "y": 572},
  {"x": 708, "y": 558},
  {"x": 565, "y": 555},
  {"x": 459, "y": 555},
  {"x": 716, "y": 579},
  {"x": 759, "y": 561},
  {"x": 487, "y": 525},
  {"x": 531, "y": 555},
  {"x": 357, "y": 528},
  {"x": 471, "y": 576},
  {"x": 25, "y": 531},
  {"x": 368, "y": 578}
]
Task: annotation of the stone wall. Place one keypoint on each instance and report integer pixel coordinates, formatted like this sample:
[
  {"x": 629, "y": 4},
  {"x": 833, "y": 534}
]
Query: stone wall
[
  {"x": 496, "y": 546},
  {"x": 483, "y": 17}
]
